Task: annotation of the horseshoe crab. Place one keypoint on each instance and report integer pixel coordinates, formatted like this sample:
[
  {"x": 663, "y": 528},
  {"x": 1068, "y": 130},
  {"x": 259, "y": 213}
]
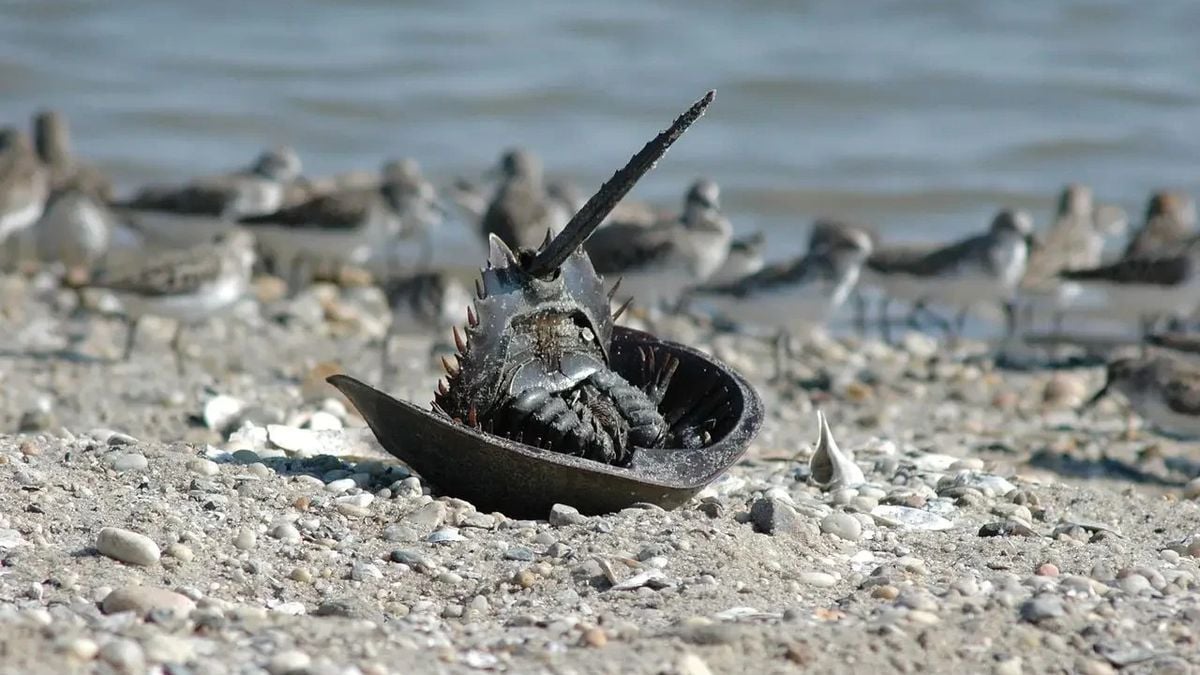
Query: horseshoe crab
[{"x": 547, "y": 401}]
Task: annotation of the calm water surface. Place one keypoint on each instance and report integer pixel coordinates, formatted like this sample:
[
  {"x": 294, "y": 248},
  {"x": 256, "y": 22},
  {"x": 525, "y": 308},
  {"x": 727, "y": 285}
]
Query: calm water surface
[{"x": 920, "y": 116}]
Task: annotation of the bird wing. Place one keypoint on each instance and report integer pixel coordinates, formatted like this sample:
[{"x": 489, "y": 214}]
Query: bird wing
[
  {"x": 1182, "y": 392},
  {"x": 792, "y": 272},
  {"x": 170, "y": 272},
  {"x": 1166, "y": 271},
  {"x": 519, "y": 215},
  {"x": 344, "y": 210},
  {"x": 1159, "y": 233},
  {"x": 622, "y": 248},
  {"x": 192, "y": 199}
]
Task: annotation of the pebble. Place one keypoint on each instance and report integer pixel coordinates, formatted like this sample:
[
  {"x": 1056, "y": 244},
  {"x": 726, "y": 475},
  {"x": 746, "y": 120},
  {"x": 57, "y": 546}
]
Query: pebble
[
  {"x": 1047, "y": 570},
  {"x": 288, "y": 662},
  {"x": 302, "y": 575},
  {"x": 818, "y": 579},
  {"x": 164, "y": 648},
  {"x": 774, "y": 516},
  {"x": 450, "y": 578},
  {"x": 126, "y": 546},
  {"x": 244, "y": 456},
  {"x": 1042, "y": 607},
  {"x": 340, "y": 485},
  {"x": 842, "y": 525},
  {"x": 905, "y": 516},
  {"x": 1192, "y": 489},
  {"x": 133, "y": 461},
  {"x": 125, "y": 656},
  {"x": 593, "y": 637},
  {"x": 364, "y": 571},
  {"x": 83, "y": 649},
  {"x": 1134, "y": 584},
  {"x": 428, "y": 517},
  {"x": 180, "y": 552},
  {"x": 246, "y": 539},
  {"x": 203, "y": 466},
  {"x": 562, "y": 515},
  {"x": 691, "y": 664},
  {"x": 286, "y": 532},
  {"x": 885, "y": 592},
  {"x": 520, "y": 553}
]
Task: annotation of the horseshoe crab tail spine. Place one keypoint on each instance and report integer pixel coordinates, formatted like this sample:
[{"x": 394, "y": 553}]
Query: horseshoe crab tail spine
[{"x": 612, "y": 191}]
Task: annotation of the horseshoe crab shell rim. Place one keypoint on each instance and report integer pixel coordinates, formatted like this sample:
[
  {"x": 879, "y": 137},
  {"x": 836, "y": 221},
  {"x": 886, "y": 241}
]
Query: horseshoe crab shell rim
[{"x": 496, "y": 473}]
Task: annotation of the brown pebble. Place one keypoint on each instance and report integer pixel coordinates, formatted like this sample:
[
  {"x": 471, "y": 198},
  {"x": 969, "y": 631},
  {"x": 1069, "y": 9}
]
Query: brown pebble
[
  {"x": 268, "y": 289},
  {"x": 524, "y": 579},
  {"x": 857, "y": 392},
  {"x": 1006, "y": 400},
  {"x": 1047, "y": 570},
  {"x": 594, "y": 637},
  {"x": 302, "y": 503},
  {"x": 29, "y": 449},
  {"x": 885, "y": 592}
]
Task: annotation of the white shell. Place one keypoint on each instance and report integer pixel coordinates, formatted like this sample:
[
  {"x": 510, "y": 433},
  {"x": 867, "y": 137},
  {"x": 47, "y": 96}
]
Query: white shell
[{"x": 830, "y": 468}]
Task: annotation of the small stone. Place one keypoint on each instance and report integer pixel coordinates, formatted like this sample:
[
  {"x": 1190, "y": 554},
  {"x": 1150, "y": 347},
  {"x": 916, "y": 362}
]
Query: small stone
[
  {"x": 126, "y": 546},
  {"x": 340, "y": 485},
  {"x": 288, "y": 663},
  {"x": 885, "y": 592},
  {"x": 286, "y": 532},
  {"x": 594, "y": 637},
  {"x": 1192, "y": 489},
  {"x": 180, "y": 552},
  {"x": 1042, "y": 607},
  {"x": 1009, "y": 666},
  {"x": 519, "y": 553},
  {"x": 1047, "y": 570},
  {"x": 82, "y": 649},
  {"x": 364, "y": 571},
  {"x": 133, "y": 461},
  {"x": 168, "y": 649},
  {"x": 562, "y": 515},
  {"x": 691, "y": 664},
  {"x": 524, "y": 579},
  {"x": 202, "y": 466},
  {"x": 30, "y": 449},
  {"x": 428, "y": 517},
  {"x": 1134, "y": 584},
  {"x": 773, "y": 516},
  {"x": 302, "y": 575},
  {"x": 125, "y": 656},
  {"x": 818, "y": 579},
  {"x": 244, "y": 456},
  {"x": 410, "y": 558},
  {"x": 145, "y": 599},
  {"x": 1063, "y": 391},
  {"x": 450, "y": 578},
  {"x": 842, "y": 525},
  {"x": 246, "y": 539}
]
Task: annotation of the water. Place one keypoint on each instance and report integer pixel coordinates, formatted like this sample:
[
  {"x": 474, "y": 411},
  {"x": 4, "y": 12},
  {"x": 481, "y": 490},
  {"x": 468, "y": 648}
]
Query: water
[{"x": 923, "y": 117}]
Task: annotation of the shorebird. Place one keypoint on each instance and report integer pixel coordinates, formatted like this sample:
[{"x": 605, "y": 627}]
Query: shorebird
[
  {"x": 1162, "y": 389},
  {"x": 1075, "y": 240},
  {"x": 345, "y": 227},
  {"x": 425, "y": 302},
  {"x": 827, "y": 229},
  {"x": 744, "y": 258},
  {"x": 1159, "y": 285},
  {"x": 657, "y": 263},
  {"x": 979, "y": 270},
  {"x": 24, "y": 184},
  {"x": 1170, "y": 220},
  {"x": 52, "y": 138},
  {"x": 796, "y": 296},
  {"x": 197, "y": 211},
  {"x": 522, "y": 211},
  {"x": 186, "y": 285}
]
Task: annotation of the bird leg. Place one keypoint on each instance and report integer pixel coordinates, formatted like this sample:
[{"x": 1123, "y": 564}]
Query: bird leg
[
  {"x": 176, "y": 346},
  {"x": 783, "y": 350},
  {"x": 860, "y": 314},
  {"x": 885, "y": 326},
  {"x": 131, "y": 326}
]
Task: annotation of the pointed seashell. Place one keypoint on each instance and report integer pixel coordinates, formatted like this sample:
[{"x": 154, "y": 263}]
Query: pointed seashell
[{"x": 830, "y": 468}]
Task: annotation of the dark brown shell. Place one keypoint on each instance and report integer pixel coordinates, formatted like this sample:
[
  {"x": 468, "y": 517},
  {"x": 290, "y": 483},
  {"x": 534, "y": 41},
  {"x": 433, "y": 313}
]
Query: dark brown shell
[{"x": 497, "y": 474}]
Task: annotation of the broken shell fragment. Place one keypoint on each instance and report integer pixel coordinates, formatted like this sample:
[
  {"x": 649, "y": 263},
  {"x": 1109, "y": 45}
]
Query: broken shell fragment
[{"x": 830, "y": 468}]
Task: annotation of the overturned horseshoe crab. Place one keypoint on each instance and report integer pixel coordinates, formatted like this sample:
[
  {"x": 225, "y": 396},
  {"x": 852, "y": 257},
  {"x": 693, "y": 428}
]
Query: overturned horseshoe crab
[{"x": 547, "y": 401}]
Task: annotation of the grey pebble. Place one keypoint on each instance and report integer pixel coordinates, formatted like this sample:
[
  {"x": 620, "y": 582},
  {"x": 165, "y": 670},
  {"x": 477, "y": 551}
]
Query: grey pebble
[
  {"x": 818, "y": 579},
  {"x": 774, "y": 516},
  {"x": 428, "y": 517},
  {"x": 340, "y": 485},
  {"x": 133, "y": 461},
  {"x": 245, "y": 539},
  {"x": 145, "y": 599},
  {"x": 287, "y": 662},
  {"x": 842, "y": 525},
  {"x": 202, "y": 466},
  {"x": 125, "y": 656},
  {"x": 410, "y": 558},
  {"x": 519, "y": 553},
  {"x": 1042, "y": 607},
  {"x": 286, "y": 532},
  {"x": 126, "y": 546},
  {"x": 563, "y": 515}
]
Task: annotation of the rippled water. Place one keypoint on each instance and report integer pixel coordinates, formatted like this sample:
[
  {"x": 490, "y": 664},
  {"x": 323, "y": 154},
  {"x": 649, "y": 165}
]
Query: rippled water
[{"x": 922, "y": 117}]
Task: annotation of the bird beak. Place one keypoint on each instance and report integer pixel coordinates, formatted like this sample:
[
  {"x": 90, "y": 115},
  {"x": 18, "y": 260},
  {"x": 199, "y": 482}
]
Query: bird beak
[{"x": 1091, "y": 402}]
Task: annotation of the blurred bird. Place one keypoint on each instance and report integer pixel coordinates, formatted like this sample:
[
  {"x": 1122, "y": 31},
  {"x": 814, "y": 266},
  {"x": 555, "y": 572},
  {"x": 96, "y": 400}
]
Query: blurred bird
[
  {"x": 1162, "y": 389},
  {"x": 24, "y": 184},
  {"x": 1170, "y": 220},
  {"x": 522, "y": 211}
]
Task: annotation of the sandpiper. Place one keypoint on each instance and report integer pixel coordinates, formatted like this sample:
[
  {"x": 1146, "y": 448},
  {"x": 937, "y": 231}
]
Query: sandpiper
[
  {"x": 657, "y": 263},
  {"x": 745, "y": 258},
  {"x": 796, "y": 296},
  {"x": 826, "y": 229},
  {"x": 425, "y": 302},
  {"x": 24, "y": 183},
  {"x": 1170, "y": 220},
  {"x": 52, "y": 137},
  {"x": 1148, "y": 288},
  {"x": 1163, "y": 389},
  {"x": 344, "y": 227},
  {"x": 522, "y": 211},
  {"x": 966, "y": 274},
  {"x": 186, "y": 285},
  {"x": 1075, "y": 240},
  {"x": 197, "y": 211}
]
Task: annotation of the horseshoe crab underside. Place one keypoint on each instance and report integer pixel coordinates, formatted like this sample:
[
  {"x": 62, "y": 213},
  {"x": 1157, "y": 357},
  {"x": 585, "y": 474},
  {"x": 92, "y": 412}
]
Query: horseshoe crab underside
[{"x": 497, "y": 474}]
